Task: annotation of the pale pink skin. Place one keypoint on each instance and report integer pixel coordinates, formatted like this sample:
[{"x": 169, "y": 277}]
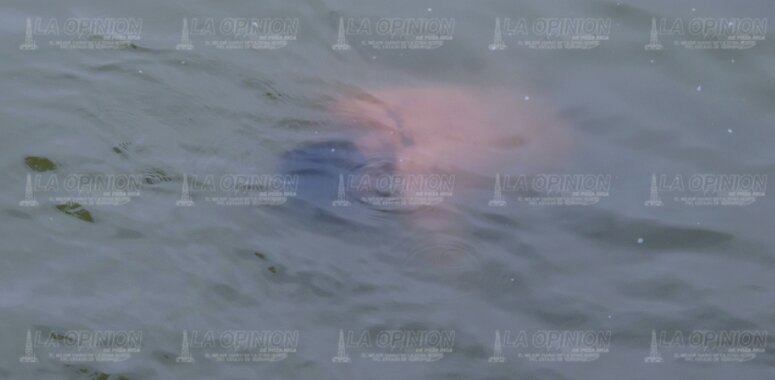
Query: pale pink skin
[
  {"x": 471, "y": 133},
  {"x": 455, "y": 129}
]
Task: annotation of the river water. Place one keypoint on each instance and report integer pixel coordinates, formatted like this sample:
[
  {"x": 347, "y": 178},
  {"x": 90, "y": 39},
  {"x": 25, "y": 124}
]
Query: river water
[{"x": 631, "y": 235}]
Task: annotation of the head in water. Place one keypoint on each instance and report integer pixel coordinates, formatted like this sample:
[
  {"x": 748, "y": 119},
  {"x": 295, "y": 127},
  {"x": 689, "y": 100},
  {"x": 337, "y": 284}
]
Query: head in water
[
  {"x": 450, "y": 128},
  {"x": 430, "y": 130}
]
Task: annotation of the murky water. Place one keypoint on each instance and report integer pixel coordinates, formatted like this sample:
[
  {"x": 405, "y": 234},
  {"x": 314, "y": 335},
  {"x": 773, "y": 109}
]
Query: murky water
[{"x": 517, "y": 190}]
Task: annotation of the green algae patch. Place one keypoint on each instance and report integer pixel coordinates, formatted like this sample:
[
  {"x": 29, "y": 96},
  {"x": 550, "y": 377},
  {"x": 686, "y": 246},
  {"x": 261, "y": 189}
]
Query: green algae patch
[
  {"x": 39, "y": 164},
  {"x": 76, "y": 210}
]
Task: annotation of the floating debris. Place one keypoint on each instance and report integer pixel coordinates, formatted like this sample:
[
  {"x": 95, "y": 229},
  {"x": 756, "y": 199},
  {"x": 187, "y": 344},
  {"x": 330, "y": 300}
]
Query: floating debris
[
  {"x": 76, "y": 210},
  {"x": 155, "y": 176},
  {"x": 96, "y": 375},
  {"x": 273, "y": 95},
  {"x": 39, "y": 164},
  {"x": 121, "y": 148}
]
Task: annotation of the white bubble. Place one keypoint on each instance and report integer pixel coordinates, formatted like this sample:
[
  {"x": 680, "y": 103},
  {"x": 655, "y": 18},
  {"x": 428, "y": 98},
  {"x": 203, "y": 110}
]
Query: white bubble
[
  {"x": 527, "y": 98},
  {"x": 699, "y": 88},
  {"x": 640, "y": 240},
  {"x": 729, "y": 130}
]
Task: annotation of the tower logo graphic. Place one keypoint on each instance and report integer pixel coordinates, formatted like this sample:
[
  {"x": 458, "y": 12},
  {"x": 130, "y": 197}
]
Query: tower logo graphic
[
  {"x": 341, "y": 353},
  {"x": 29, "y": 352},
  {"x": 654, "y": 355},
  {"x": 654, "y": 200},
  {"x": 497, "y": 350},
  {"x": 341, "y": 197},
  {"x": 497, "y": 196},
  {"x": 29, "y": 42},
  {"x": 29, "y": 197},
  {"x": 185, "y": 352},
  {"x": 654, "y": 43},
  {"x": 185, "y": 197},
  {"x": 497, "y": 40},
  {"x": 185, "y": 38},
  {"x": 341, "y": 41}
]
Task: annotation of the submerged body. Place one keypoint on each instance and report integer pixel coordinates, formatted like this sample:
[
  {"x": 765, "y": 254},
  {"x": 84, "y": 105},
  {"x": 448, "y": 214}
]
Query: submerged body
[
  {"x": 432, "y": 129},
  {"x": 428, "y": 132}
]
